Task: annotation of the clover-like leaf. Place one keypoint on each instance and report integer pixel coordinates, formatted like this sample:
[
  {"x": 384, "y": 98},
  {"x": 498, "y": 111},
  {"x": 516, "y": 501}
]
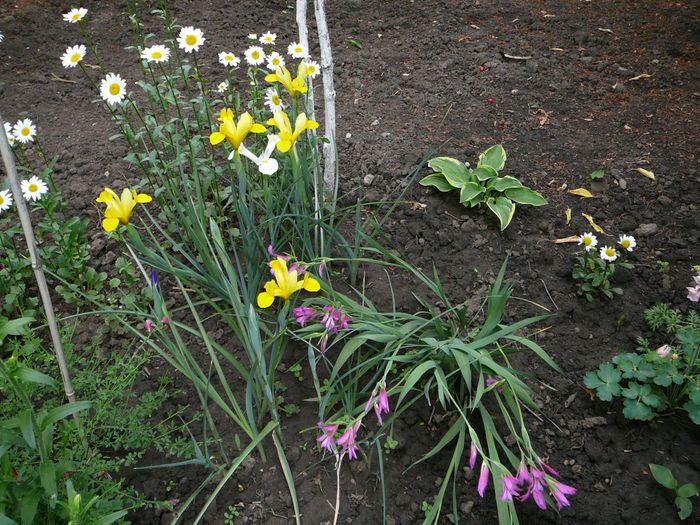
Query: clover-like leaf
[
  {"x": 605, "y": 381},
  {"x": 635, "y": 409}
]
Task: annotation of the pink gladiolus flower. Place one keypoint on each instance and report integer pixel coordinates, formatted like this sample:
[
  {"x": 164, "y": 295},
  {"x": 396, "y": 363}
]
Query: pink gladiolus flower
[
  {"x": 271, "y": 251},
  {"x": 548, "y": 468},
  {"x": 165, "y": 320},
  {"x": 369, "y": 402},
  {"x": 490, "y": 381},
  {"x": 663, "y": 351},
  {"x": 483, "y": 479},
  {"x": 472, "y": 456},
  {"x": 303, "y": 314},
  {"x": 322, "y": 268},
  {"x": 347, "y": 440},
  {"x": 322, "y": 343},
  {"x": 694, "y": 293},
  {"x": 524, "y": 475},
  {"x": 536, "y": 489},
  {"x": 382, "y": 405},
  {"x": 559, "y": 493},
  {"x": 510, "y": 488},
  {"x": 335, "y": 319},
  {"x": 148, "y": 325},
  {"x": 327, "y": 438}
]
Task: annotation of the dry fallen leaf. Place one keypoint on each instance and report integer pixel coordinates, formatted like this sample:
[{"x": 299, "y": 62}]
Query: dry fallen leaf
[
  {"x": 556, "y": 49},
  {"x": 593, "y": 224},
  {"x": 581, "y": 192},
  {"x": 418, "y": 206},
  {"x": 639, "y": 77},
  {"x": 573, "y": 238},
  {"x": 646, "y": 173},
  {"x": 568, "y": 215}
]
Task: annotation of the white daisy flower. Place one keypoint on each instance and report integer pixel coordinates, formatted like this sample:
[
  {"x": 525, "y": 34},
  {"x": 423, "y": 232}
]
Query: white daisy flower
[
  {"x": 2, "y": 37},
  {"x": 33, "y": 188},
  {"x": 268, "y": 38},
  {"x": 113, "y": 89},
  {"x": 157, "y": 53},
  {"x": 296, "y": 50},
  {"x": 8, "y": 131},
  {"x": 24, "y": 131},
  {"x": 228, "y": 59},
  {"x": 73, "y": 55},
  {"x": 312, "y": 68},
  {"x": 223, "y": 86},
  {"x": 75, "y": 15},
  {"x": 588, "y": 240},
  {"x": 627, "y": 242},
  {"x": 255, "y": 55},
  {"x": 5, "y": 200},
  {"x": 273, "y": 100},
  {"x": 252, "y": 36},
  {"x": 190, "y": 39},
  {"x": 608, "y": 254},
  {"x": 274, "y": 60}
]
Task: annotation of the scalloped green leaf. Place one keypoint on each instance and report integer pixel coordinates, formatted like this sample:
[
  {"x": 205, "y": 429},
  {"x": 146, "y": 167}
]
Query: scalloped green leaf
[
  {"x": 525, "y": 195},
  {"x": 469, "y": 191},
  {"x": 504, "y": 210},
  {"x": 436, "y": 180},
  {"x": 495, "y": 157},
  {"x": 454, "y": 171},
  {"x": 504, "y": 183}
]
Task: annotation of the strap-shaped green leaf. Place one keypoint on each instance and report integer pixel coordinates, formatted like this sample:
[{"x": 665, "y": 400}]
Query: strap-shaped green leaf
[
  {"x": 469, "y": 191},
  {"x": 454, "y": 171},
  {"x": 526, "y": 196},
  {"x": 436, "y": 180},
  {"x": 504, "y": 183},
  {"x": 504, "y": 210},
  {"x": 495, "y": 157}
]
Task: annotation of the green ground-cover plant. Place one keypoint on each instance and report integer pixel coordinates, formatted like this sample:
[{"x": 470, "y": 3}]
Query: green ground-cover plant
[
  {"x": 665, "y": 477},
  {"x": 359, "y": 358},
  {"x": 655, "y": 382},
  {"x": 593, "y": 270},
  {"x": 483, "y": 185}
]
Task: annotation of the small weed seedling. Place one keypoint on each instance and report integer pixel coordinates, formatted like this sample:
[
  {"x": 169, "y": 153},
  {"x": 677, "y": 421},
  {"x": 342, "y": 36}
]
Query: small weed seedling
[{"x": 683, "y": 493}]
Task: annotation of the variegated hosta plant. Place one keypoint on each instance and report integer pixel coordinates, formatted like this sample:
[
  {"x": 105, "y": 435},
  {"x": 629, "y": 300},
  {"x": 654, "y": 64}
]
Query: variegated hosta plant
[{"x": 483, "y": 185}]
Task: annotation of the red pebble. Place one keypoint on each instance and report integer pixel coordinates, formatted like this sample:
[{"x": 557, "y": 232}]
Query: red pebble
[
  {"x": 482, "y": 68},
  {"x": 489, "y": 100}
]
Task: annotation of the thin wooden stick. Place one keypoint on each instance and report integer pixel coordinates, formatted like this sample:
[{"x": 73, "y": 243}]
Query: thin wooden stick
[
  {"x": 330, "y": 179},
  {"x": 23, "y": 213}
]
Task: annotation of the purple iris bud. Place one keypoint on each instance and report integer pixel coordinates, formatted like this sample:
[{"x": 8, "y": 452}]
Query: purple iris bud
[
  {"x": 154, "y": 281},
  {"x": 510, "y": 488},
  {"x": 382, "y": 406},
  {"x": 327, "y": 438},
  {"x": 303, "y": 314},
  {"x": 472, "y": 456},
  {"x": 559, "y": 493},
  {"x": 483, "y": 479}
]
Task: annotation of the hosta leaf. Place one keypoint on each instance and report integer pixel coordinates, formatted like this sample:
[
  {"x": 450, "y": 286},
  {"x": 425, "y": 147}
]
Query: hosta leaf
[
  {"x": 526, "y": 196},
  {"x": 469, "y": 191},
  {"x": 504, "y": 210},
  {"x": 504, "y": 183},
  {"x": 455, "y": 172},
  {"x": 495, "y": 157},
  {"x": 437, "y": 180},
  {"x": 484, "y": 173}
]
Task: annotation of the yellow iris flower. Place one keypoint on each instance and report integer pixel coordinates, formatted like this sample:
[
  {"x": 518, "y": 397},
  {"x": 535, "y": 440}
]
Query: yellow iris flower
[
  {"x": 234, "y": 132},
  {"x": 285, "y": 284},
  {"x": 286, "y": 134},
  {"x": 119, "y": 208},
  {"x": 284, "y": 77}
]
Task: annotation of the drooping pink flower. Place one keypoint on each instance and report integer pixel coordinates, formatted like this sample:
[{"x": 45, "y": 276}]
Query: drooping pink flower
[
  {"x": 694, "y": 293},
  {"x": 536, "y": 489},
  {"x": 548, "y": 468},
  {"x": 271, "y": 251},
  {"x": 483, "y": 479},
  {"x": 382, "y": 406},
  {"x": 472, "y": 456},
  {"x": 148, "y": 325},
  {"x": 559, "y": 493},
  {"x": 347, "y": 440},
  {"x": 664, "y": 351},
  {"x": 523, "y": 475},
  {"x": 303, "y": 314},
  {"x": 490, "y": 381},
  {"x": 322, "y": 268},
  {"x": 510, "y": 488},
  {"x": 322, "y": 344},
  {"x": 327, "y": 438},
  {"x": 335, "y": 319},
  {"x": 370, "y": 402}
]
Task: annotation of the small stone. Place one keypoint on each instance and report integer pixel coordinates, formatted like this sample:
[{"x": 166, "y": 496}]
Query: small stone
[
  {"x": 645, "y": 230},
  {"x": 369, "y": 179},
  {"x": 623, "y": 184},
  {"x": 375, "y": 122},
  {"x": 466, "y": 508},
  {"x": 348, "y": 135}
]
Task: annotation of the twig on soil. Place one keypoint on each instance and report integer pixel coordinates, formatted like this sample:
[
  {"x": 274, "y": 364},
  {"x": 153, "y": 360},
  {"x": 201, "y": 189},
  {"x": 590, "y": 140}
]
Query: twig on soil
[
  {"x": 548, "y": 294},
  {"x": 59, "y": 79}
]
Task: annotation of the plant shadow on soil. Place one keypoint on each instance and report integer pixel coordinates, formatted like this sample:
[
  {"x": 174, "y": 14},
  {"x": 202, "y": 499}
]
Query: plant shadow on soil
[{"x": 417, "y": 81}]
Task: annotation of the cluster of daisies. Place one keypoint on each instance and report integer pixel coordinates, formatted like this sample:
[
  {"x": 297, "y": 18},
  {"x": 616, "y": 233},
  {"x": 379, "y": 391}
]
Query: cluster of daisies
[
  {"x": 607, "y": 253},
  {"x": 32, "y": 189},
  {"x": 190, "y": 39}
]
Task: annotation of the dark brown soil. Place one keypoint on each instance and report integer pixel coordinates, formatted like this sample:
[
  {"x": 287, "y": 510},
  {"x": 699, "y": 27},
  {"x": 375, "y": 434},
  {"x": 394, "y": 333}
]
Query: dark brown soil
[{"x": 431, "y": 73}]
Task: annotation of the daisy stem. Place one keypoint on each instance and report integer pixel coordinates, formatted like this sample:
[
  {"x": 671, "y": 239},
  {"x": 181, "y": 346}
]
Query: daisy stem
[
  {"x": 90, "y": 45},
  {"x": 43, "y": 155}
]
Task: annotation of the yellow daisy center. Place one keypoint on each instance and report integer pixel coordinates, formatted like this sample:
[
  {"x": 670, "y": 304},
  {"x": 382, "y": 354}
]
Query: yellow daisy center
[
  {"x": 275, "y": 100},
  {"x": 625, "y": 243},
  {"x": 76, "y": 16},
  {"x": 2, "y": 200},
  {"x": 229, "y": 58},
  {"x": 310, "y": 70},
  {"x": 114, "y": 89},
  {"x": 609, "y": 252},
  {"x": 255, "y": 55},
  {"x": 33, "y": 188},
  {"x": 298, "y": 50},
  {"x": 191, "y": 40},
  {"x": 275, "y": 61},
  {"x": 75, "y": 57},
  {"x": 25, "y": 131},
  {"x": 157, "y": 55},
  {"x": 587, "y": 241}
]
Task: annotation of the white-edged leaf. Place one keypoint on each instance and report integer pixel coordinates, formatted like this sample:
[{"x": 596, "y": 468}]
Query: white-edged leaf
[
  {"x": 455, "y": 172},
  {"x": 437, "y": 180},
  {"x": 504, "y": 210},
  {"x": 495, "y": 157},
  {"x": 526, "y": 196},
  {"x": 504, "y": 183}
]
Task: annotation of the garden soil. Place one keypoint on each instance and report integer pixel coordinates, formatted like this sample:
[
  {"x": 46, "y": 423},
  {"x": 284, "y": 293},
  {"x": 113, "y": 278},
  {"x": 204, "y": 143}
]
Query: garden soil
[{"x": 567, "y": 87}]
